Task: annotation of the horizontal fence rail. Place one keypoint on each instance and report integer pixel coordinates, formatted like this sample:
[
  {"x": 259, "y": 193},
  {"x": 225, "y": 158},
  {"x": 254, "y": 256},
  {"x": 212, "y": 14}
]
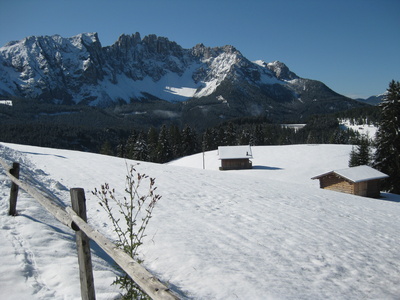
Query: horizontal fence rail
[{"x": 69, "y": 217}]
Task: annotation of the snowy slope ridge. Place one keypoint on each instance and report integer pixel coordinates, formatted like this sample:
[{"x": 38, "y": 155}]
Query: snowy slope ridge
[{"x": 265, "y": 233}]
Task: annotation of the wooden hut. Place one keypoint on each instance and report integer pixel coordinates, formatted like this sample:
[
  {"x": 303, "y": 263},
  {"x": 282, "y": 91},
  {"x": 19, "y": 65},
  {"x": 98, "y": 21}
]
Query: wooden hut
[
  {"x": 235, "y": 157},
  {"x": 361, "y": 181}
]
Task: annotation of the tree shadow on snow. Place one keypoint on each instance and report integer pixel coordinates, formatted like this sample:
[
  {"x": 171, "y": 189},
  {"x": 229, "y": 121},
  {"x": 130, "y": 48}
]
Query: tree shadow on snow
[
  {"x": 36, "y": 153},
  {"x": 389, "y": 197},
  {"x": 266, "y": 168}
]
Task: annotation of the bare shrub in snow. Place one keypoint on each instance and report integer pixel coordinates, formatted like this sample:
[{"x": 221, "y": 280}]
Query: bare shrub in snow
[{"x": 135, "y": 210}]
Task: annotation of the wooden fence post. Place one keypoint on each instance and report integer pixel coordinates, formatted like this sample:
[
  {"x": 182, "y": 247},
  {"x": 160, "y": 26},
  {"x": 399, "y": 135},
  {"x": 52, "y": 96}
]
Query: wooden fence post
[
  {"x": 14, "y": 190},
  {"x": 82, "y": 243}
]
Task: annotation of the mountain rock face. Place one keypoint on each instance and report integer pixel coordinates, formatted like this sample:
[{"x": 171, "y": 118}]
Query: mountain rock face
[
  {"x": 373, "y": 100},
  {"x": 215, "y": 82}
]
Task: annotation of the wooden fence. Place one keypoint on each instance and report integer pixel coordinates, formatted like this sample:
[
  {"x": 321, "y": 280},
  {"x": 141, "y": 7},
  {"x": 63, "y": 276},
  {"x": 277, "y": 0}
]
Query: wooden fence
[{"x": 75, "y": 218}]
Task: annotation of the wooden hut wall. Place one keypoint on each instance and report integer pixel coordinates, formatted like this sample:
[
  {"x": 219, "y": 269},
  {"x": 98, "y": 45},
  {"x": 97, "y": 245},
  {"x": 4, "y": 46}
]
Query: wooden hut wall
[
  {"x": 335, "y": 183},
  {"x": 369, "y": 188},
  {"x": 374, "y": 188},
  {"x": 360, "y": 188},
  {"x": 235, "y": 164}
]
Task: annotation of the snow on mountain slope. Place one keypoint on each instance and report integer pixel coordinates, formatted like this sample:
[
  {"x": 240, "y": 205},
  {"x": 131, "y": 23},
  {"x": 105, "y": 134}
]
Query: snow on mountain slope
[
  {"x": 130, "y": 68},
  {"x": 41, "y": 64},
  {"x": 170, "y": 87},
  {"x": 266, "y": 233},
  {"x": 78, "y": 70}
]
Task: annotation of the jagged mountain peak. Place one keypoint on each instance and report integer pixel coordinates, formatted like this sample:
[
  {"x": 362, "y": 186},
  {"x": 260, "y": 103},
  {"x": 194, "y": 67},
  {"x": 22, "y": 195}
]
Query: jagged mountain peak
[
  {"x": 152, "y": 43},
  {"x": 206, "y": 52},
  {"x": 84, "y": 38},
  {"x": 47, "y": 45},
  {"x": 278, "y": 68},
  {"x": 126, "y": 39},
  {"x": 79, "y": 70},
  {"x": 281, "y": 71}
]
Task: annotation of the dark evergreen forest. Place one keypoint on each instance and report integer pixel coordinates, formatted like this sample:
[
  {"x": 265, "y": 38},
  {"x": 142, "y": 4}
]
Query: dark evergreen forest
[{"x": 101, "y": 131}]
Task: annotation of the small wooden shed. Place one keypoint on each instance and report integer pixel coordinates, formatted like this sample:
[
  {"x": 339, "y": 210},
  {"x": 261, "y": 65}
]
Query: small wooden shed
[
  {"x": 235, "y": 157},
  {"x": 362, "y": 181}
]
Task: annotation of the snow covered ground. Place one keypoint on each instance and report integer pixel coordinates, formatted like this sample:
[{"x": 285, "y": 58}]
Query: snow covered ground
[
  {"x": 265, "y": 233},
  {"x": 363, "y": 129}
]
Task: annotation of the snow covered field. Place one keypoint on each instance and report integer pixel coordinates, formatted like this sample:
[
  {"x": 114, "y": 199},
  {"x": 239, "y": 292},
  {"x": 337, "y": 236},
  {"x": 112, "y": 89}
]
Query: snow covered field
[
  {"x": 265, "y": 233},
  {"x": 364, "y": 129}
]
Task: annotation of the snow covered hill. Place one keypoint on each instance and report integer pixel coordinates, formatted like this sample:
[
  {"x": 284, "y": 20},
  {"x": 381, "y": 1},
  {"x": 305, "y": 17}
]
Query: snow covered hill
[{"x": 265, "y": 233}]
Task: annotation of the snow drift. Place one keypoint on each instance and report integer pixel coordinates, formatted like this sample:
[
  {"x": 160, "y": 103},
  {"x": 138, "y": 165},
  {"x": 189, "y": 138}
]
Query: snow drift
[{"x": 265, "y": 233}]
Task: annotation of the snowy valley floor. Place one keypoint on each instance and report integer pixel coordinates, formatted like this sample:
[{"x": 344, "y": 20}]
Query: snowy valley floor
[{"x": 266, "y": 233}]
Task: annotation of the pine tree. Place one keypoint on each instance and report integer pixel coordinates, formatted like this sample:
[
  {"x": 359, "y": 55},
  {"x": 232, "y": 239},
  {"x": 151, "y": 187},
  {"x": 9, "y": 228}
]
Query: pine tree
[
  {"x": 230, "y": 135},
  {"x": 152, "y": 139},
  {"x": 258, "y": 136},
  {"x": 361, "y": 153},
  {"x": 106, "y": 148},
  {"x": 387, "y": 157},
  {"x": 164, "y": 151},
  {"x": 364, "y": 151},
  {"x": 130, "y": 145},
  {"x": 140, "y": 149},
  {"x": 220, "y": 140},
  {"x": 208, "y": 140},
  {"x": 268, "y": 135},
  {"x": 121, "y": 150},
  {"x": 175, "y": 140},
  {"x": 189, "y": 141},
  {"x": 353, "y": 161},
  {"x": 244, "y": 138}
]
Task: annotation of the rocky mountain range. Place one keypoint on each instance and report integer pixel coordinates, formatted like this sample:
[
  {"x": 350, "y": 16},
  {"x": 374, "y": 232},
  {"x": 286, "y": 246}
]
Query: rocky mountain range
[{"x": 157, "y": 78}]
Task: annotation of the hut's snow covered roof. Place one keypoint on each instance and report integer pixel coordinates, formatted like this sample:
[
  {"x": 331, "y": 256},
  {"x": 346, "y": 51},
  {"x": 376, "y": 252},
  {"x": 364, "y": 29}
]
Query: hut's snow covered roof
[
  {"x": 356, "y": 174},
  {"x": 234, "y": 152}
]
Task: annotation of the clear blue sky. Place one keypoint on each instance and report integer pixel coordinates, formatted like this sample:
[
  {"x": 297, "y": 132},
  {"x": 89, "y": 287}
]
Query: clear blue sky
[{"x": 351, "y": 45}]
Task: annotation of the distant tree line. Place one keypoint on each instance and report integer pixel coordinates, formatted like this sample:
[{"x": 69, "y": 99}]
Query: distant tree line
[
  {"x": 156, "y": 145},
  {"x": 170, "y": 141},
  {"x": 61, "y": 136},
  {"x": 369, "y": 115}
]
